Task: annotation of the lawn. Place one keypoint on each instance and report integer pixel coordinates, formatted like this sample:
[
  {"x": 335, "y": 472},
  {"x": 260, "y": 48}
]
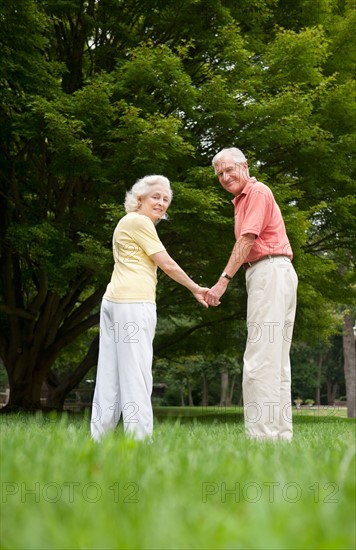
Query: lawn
[{"x": 199, "y": 485}]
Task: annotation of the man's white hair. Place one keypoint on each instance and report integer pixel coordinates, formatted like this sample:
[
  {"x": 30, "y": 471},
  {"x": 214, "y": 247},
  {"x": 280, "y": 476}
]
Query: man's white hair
[
  {"x": 141, "y": 188},
  {"x": 235, "y": 153}
]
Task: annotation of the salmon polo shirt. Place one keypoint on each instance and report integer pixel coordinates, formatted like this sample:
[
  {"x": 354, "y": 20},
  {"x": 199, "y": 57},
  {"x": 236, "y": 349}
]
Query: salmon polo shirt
[{"x": 257, "y": 212}]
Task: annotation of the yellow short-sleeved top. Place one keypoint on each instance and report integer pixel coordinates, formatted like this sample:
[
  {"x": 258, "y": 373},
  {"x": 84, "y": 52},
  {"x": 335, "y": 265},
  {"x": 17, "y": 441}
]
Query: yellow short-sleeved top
[{"x": 134, "y": 277}]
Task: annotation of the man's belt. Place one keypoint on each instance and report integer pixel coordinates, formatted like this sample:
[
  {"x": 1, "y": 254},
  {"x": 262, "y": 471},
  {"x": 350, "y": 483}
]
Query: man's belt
[{"x": 268, "y": 257}]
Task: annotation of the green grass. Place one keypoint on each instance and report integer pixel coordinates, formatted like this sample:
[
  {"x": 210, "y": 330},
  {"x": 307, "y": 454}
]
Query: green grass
[{"x": 199, "y": 485}]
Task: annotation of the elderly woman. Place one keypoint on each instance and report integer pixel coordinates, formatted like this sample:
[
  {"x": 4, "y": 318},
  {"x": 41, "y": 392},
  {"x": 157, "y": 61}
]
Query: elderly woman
[{"x": 128, "y": 312}]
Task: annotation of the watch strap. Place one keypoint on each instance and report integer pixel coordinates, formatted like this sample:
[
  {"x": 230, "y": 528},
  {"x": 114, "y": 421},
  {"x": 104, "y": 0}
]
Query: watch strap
[{"x": 224, "y": 274}]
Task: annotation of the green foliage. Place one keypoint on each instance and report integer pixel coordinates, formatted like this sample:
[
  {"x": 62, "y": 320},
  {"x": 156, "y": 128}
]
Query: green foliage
[
  {"x": 154, "y": 77},
  {"x": 298, "y": 14},
  {"x": 187, "y": 373},
  {"x": 318, "y": 365},
  {"x": 296, "y": 58},
  {"x": 96, "y": 94},
  {"x": 23, "y": 69}
]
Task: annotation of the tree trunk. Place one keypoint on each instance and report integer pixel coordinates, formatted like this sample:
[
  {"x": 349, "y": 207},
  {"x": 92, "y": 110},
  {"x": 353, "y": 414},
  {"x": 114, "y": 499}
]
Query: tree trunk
[
  {"x": 205, "y": 398},
  {"x": 182, "y": 400},
  {"x": 348, "y": 340},
  {"x": 318, "y": 380},
  {"x": 59, "y": 390},
  {"x": 190, "y": 396},
  {"x": 25, "y": 381},
  {"x": 332, "y": 388},
  {"x": 71, "y": 40},
  {"x": 224, "y": 388},
  {"x": 35, "y": 340},
  {"x": 231, "y": 392}
]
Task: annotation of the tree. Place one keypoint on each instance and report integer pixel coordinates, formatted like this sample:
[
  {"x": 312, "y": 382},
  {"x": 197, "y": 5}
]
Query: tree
[
  {"x": 63, "y": 146},
  {"x": 350, "y": 363},
  {"x": 101, "y": 92}
]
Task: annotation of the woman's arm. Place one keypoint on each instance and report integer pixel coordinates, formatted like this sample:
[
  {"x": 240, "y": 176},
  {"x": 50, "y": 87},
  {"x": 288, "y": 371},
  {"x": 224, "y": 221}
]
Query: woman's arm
[{"x": 172, "y": 269}]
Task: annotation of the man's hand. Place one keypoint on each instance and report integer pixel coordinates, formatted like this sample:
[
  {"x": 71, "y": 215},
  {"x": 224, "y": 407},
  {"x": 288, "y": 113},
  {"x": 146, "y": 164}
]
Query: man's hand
[{"x": 214, "y": 294}]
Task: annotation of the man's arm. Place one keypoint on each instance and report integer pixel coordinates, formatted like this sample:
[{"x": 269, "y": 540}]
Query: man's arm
[{"x": 238, "y": 256}]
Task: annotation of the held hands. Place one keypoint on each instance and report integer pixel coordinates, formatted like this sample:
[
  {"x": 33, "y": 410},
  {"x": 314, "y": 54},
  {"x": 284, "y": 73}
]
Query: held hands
[
  {"x": 210, "y": 297},
  {"x": 213, "y": 295},
  {"x": 200, "y": 294},
  {"x": 207, "y": 297}
]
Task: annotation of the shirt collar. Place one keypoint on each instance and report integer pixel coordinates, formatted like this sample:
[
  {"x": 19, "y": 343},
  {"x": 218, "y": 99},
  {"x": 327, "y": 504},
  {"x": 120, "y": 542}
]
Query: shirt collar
[{"x": 246, "y": 189}]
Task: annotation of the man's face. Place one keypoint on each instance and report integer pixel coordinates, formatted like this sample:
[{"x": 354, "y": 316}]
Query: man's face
[{"x": 232, "y": 175}]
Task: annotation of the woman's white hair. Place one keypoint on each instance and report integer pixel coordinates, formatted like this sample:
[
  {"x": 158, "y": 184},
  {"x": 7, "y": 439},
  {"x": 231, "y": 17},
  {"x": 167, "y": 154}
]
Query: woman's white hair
[
  {"x": 235, "y": 153},
  {"x": 141, "y": 188}
]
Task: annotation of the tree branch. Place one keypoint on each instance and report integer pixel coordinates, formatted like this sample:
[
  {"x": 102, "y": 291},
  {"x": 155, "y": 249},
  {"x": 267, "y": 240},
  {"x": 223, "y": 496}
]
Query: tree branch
[
  {"x": 18, "y": 312},
  {"x": 190, "y": 331}
]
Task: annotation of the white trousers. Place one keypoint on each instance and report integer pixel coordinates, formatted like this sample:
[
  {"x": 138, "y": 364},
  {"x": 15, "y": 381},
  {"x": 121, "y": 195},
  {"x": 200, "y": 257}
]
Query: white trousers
[
  {"x": 124, "y": 373},
  {"x": 272, "y": 289}
]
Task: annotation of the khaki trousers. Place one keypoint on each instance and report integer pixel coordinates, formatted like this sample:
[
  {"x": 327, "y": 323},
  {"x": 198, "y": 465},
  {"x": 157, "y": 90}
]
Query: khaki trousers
[
  {"x": 272, "y": 288},
  {"x": 124, "y": 374}
]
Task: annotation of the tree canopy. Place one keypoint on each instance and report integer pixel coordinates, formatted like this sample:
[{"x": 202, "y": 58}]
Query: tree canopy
[{"x": 96, "y": 93}]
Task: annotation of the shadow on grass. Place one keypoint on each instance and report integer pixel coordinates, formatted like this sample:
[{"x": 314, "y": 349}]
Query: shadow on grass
[
  {"x": 221, "y": 418},
  {"x": 186, "y": 415},
  {"x": 231, "y": 415},
  {"x": 321, "y": 419}
]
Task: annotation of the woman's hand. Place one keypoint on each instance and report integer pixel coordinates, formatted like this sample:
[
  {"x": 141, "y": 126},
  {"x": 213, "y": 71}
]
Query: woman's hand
[{"x": 200, "y": 294}]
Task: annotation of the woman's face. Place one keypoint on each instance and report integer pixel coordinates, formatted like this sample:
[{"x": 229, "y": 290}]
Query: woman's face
[{"x": 155, "y": 204}]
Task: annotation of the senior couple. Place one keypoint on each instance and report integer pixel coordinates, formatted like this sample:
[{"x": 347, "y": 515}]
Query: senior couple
[{"x": 128, "y": 310}]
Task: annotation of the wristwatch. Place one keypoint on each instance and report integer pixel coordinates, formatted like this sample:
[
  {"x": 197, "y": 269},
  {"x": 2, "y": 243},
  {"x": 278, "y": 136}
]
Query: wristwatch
[{"x": 224, "y": 274}]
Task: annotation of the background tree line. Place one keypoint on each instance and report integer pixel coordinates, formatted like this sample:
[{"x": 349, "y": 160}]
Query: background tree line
[{"x": 96, "y": 93}]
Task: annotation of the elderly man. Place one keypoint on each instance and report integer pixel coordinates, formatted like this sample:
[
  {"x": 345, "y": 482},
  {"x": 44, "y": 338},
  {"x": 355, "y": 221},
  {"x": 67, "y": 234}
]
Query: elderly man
[{"x": 262, "y": 248}]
